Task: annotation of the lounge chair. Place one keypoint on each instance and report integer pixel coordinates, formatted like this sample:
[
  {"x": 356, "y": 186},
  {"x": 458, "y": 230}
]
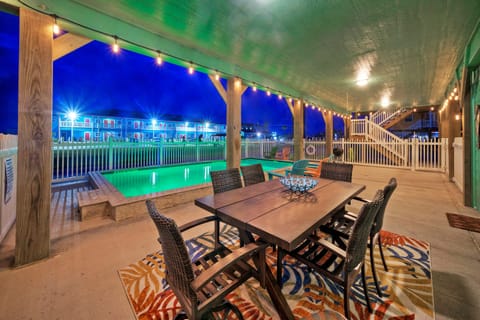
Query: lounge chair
[{"x": 298, "y": 168}]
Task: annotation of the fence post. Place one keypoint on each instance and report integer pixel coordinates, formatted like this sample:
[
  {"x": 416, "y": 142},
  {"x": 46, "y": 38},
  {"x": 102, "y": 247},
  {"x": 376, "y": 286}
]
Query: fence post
[
  {"x": 161, "y": 152},
  {"x": 414, "y": 154},
  {"x": 246, "y": 148},
  {"x": 110, "y": 153},
  {"x": 343, "y": 148},
  {"x": 262, "y": 153},
  {"x": 197, "y": 150},
  {"x": 444, "y": 153}
]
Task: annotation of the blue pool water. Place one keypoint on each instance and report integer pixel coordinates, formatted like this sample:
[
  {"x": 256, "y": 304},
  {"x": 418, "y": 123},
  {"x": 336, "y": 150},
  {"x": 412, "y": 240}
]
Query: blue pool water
[{"x": 136, "y": 182}]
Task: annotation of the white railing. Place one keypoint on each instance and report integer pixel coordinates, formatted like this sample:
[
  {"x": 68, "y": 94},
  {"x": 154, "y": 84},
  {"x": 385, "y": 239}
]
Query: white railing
[
  {"x": 73, "y": 160},
  {"x": 390, "y": 143},
  {"x": 381, "y": 116},
  {"x": 76, "y": 124},
  {"x": 418, "y": 155}
]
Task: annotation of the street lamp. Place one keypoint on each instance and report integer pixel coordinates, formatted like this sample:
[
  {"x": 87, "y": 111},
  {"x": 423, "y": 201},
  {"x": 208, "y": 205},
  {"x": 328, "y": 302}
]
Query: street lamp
[
  {"x": 72, "y": 116},
  {"x": 154, "y": 123}
]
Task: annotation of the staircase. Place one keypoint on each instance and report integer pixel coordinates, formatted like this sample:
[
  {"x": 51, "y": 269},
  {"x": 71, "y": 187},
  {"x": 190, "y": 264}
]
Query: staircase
[{"x": 375, "y": 130}]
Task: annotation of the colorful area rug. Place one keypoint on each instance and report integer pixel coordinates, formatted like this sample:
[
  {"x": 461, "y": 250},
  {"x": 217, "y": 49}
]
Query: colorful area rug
[
  {"x": 407, "y": 286},
  {"x": 463, "y": 222}
]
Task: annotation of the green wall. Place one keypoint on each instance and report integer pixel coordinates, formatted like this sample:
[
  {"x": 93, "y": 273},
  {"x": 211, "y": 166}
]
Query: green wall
[
  {"x": 475, "y": 149},
  {"x": 472, "y": 54}
]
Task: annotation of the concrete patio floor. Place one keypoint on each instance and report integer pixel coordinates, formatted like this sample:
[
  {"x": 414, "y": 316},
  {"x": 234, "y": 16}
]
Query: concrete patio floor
[{"x": 80, "y": 280}]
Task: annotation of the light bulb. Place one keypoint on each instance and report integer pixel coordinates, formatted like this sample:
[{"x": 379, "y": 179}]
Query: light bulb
[
  {"x": 56, "y": 29},
  {"x": 254, "y": 88},
  {"x": 190, "y": 69},
  {"x": 217, "y": 76},
  {"x": 268, "y": 93},
  {"x": 115, "y": 47},
  {"x": 158, "y": 59}
]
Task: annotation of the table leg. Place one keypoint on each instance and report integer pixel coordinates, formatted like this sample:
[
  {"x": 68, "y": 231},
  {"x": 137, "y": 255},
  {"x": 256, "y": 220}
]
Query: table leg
[{"x": 271, "y": 284}]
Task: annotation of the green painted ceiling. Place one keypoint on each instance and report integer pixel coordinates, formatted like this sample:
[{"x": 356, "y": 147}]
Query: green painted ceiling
[{"x": 306, "y": 48}]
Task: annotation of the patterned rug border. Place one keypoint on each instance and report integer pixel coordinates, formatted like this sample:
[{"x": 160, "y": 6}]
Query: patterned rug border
[
  {"x": 302, "y": 303},
  {"x": 464, "y": 222}
]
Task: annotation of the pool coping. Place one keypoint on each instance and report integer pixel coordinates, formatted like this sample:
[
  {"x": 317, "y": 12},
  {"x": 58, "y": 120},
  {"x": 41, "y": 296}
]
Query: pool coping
[{"x": 104, "y": 200}]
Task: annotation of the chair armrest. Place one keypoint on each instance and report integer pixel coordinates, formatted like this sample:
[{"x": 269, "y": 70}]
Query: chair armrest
[
  {"x": 224, "y": 263},
  {"x": 334, "y": 232},
  {"x": 361, "y": 199},
  {"x": 274, "y": 174},
  {"x": 194, "y": 223},
  {"x": 330, "y": 246}
]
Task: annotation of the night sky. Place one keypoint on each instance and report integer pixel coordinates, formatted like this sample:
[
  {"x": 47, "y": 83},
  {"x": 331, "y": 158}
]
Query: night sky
[{"x": 94, "y": 80}]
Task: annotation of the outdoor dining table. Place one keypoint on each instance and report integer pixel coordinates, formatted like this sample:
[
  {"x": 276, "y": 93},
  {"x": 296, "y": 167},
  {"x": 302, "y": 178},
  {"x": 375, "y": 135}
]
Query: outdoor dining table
[{"x": 279, "y": 216}]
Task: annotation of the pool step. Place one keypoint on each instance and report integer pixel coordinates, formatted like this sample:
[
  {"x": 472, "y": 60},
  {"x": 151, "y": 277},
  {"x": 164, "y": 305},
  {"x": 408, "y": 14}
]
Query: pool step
[
  {"x": 106, "y": 201},
  {"x": 93, "y": 203}
]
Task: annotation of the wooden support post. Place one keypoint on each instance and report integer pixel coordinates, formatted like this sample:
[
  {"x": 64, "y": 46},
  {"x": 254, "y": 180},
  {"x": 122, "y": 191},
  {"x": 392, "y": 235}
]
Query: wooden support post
[
  {"x": 347, "y": 123},
  {"x": 465, "y": 103},
  {"x": 328, "y": 117},
  {"x": 234, "y": 122},
  {"x": 35, "y": 83},
  {"x": 298, "y": 130},
  {"x": 450, "y": 118},
  {"x": 67, "y": 43}
]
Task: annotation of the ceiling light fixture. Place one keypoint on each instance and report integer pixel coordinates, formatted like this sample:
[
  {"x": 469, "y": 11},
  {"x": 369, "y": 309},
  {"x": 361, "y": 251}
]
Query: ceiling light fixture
[
  {"x": 385, "y": 102},
  {"x": 362, "y": 78}
]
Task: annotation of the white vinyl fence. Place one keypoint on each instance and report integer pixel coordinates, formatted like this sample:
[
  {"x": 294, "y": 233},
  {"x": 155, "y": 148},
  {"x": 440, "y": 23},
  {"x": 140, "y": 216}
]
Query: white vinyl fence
[{"x": 75, "y": 160}]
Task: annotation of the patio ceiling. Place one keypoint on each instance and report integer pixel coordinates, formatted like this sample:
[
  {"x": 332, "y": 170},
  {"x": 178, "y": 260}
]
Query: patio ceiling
[{"x": 310, "y": 49}]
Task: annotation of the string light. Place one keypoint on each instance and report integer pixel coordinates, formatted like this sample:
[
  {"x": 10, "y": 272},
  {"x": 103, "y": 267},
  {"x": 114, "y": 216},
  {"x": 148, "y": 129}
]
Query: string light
[
  {"x": 56, "y": 28},
  {"x": 279, "y": 97},
  {"x": 457, "y": 117},
  {"x": 159, "y": 59},
  {"x": 115, "y": 46}
]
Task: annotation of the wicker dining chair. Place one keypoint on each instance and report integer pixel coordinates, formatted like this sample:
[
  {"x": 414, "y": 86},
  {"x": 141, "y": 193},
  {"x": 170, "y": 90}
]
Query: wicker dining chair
[
  {"x": 225, "y": 180},
  {"x": 201, "y": 286},
  {"x": 341, "y": 226},
  {"x": 337, "y": 171},
  {"x": 340, "y": 265},
  {"x": 252, "y": 174}
]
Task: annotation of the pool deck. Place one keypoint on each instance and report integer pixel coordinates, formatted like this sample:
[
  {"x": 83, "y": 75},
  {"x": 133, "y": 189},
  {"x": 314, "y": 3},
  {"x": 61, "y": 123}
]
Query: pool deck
[{"x": 104, "y": 200}]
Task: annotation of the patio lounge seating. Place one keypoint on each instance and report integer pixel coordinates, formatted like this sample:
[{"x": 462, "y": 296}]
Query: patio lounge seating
[
  {"x": 222, "y": 181},
  {"x": 342, "y": 226},
  {"x": 252, "y": 174},
  {"x": 338, "y": 264},
  {"x": 201, "y": 286},
  {"x": 298, "y": 168},
  {"x": 314, "y": 171}
]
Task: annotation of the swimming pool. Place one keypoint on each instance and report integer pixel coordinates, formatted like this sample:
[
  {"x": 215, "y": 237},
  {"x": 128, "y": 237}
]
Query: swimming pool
[{"x": 139, "y": 182}]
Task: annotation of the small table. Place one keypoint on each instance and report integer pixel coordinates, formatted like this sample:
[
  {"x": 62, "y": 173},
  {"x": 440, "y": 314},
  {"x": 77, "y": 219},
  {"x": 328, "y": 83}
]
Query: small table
[{"x": 279, "y": 217}]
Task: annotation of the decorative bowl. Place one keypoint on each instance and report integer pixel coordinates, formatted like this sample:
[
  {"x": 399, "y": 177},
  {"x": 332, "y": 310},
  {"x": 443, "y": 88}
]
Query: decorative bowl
[{"x": 298, "y": 184}]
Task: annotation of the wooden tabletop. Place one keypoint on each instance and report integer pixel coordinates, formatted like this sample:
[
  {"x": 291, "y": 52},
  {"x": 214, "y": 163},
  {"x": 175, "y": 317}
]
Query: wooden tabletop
[{"x": 276, "y": 215}]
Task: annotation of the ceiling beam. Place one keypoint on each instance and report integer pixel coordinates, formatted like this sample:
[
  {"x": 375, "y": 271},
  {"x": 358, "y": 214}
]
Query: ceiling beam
[
  {"x": 218, "y": 85},
  {"x": 67, "y": 43}
]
